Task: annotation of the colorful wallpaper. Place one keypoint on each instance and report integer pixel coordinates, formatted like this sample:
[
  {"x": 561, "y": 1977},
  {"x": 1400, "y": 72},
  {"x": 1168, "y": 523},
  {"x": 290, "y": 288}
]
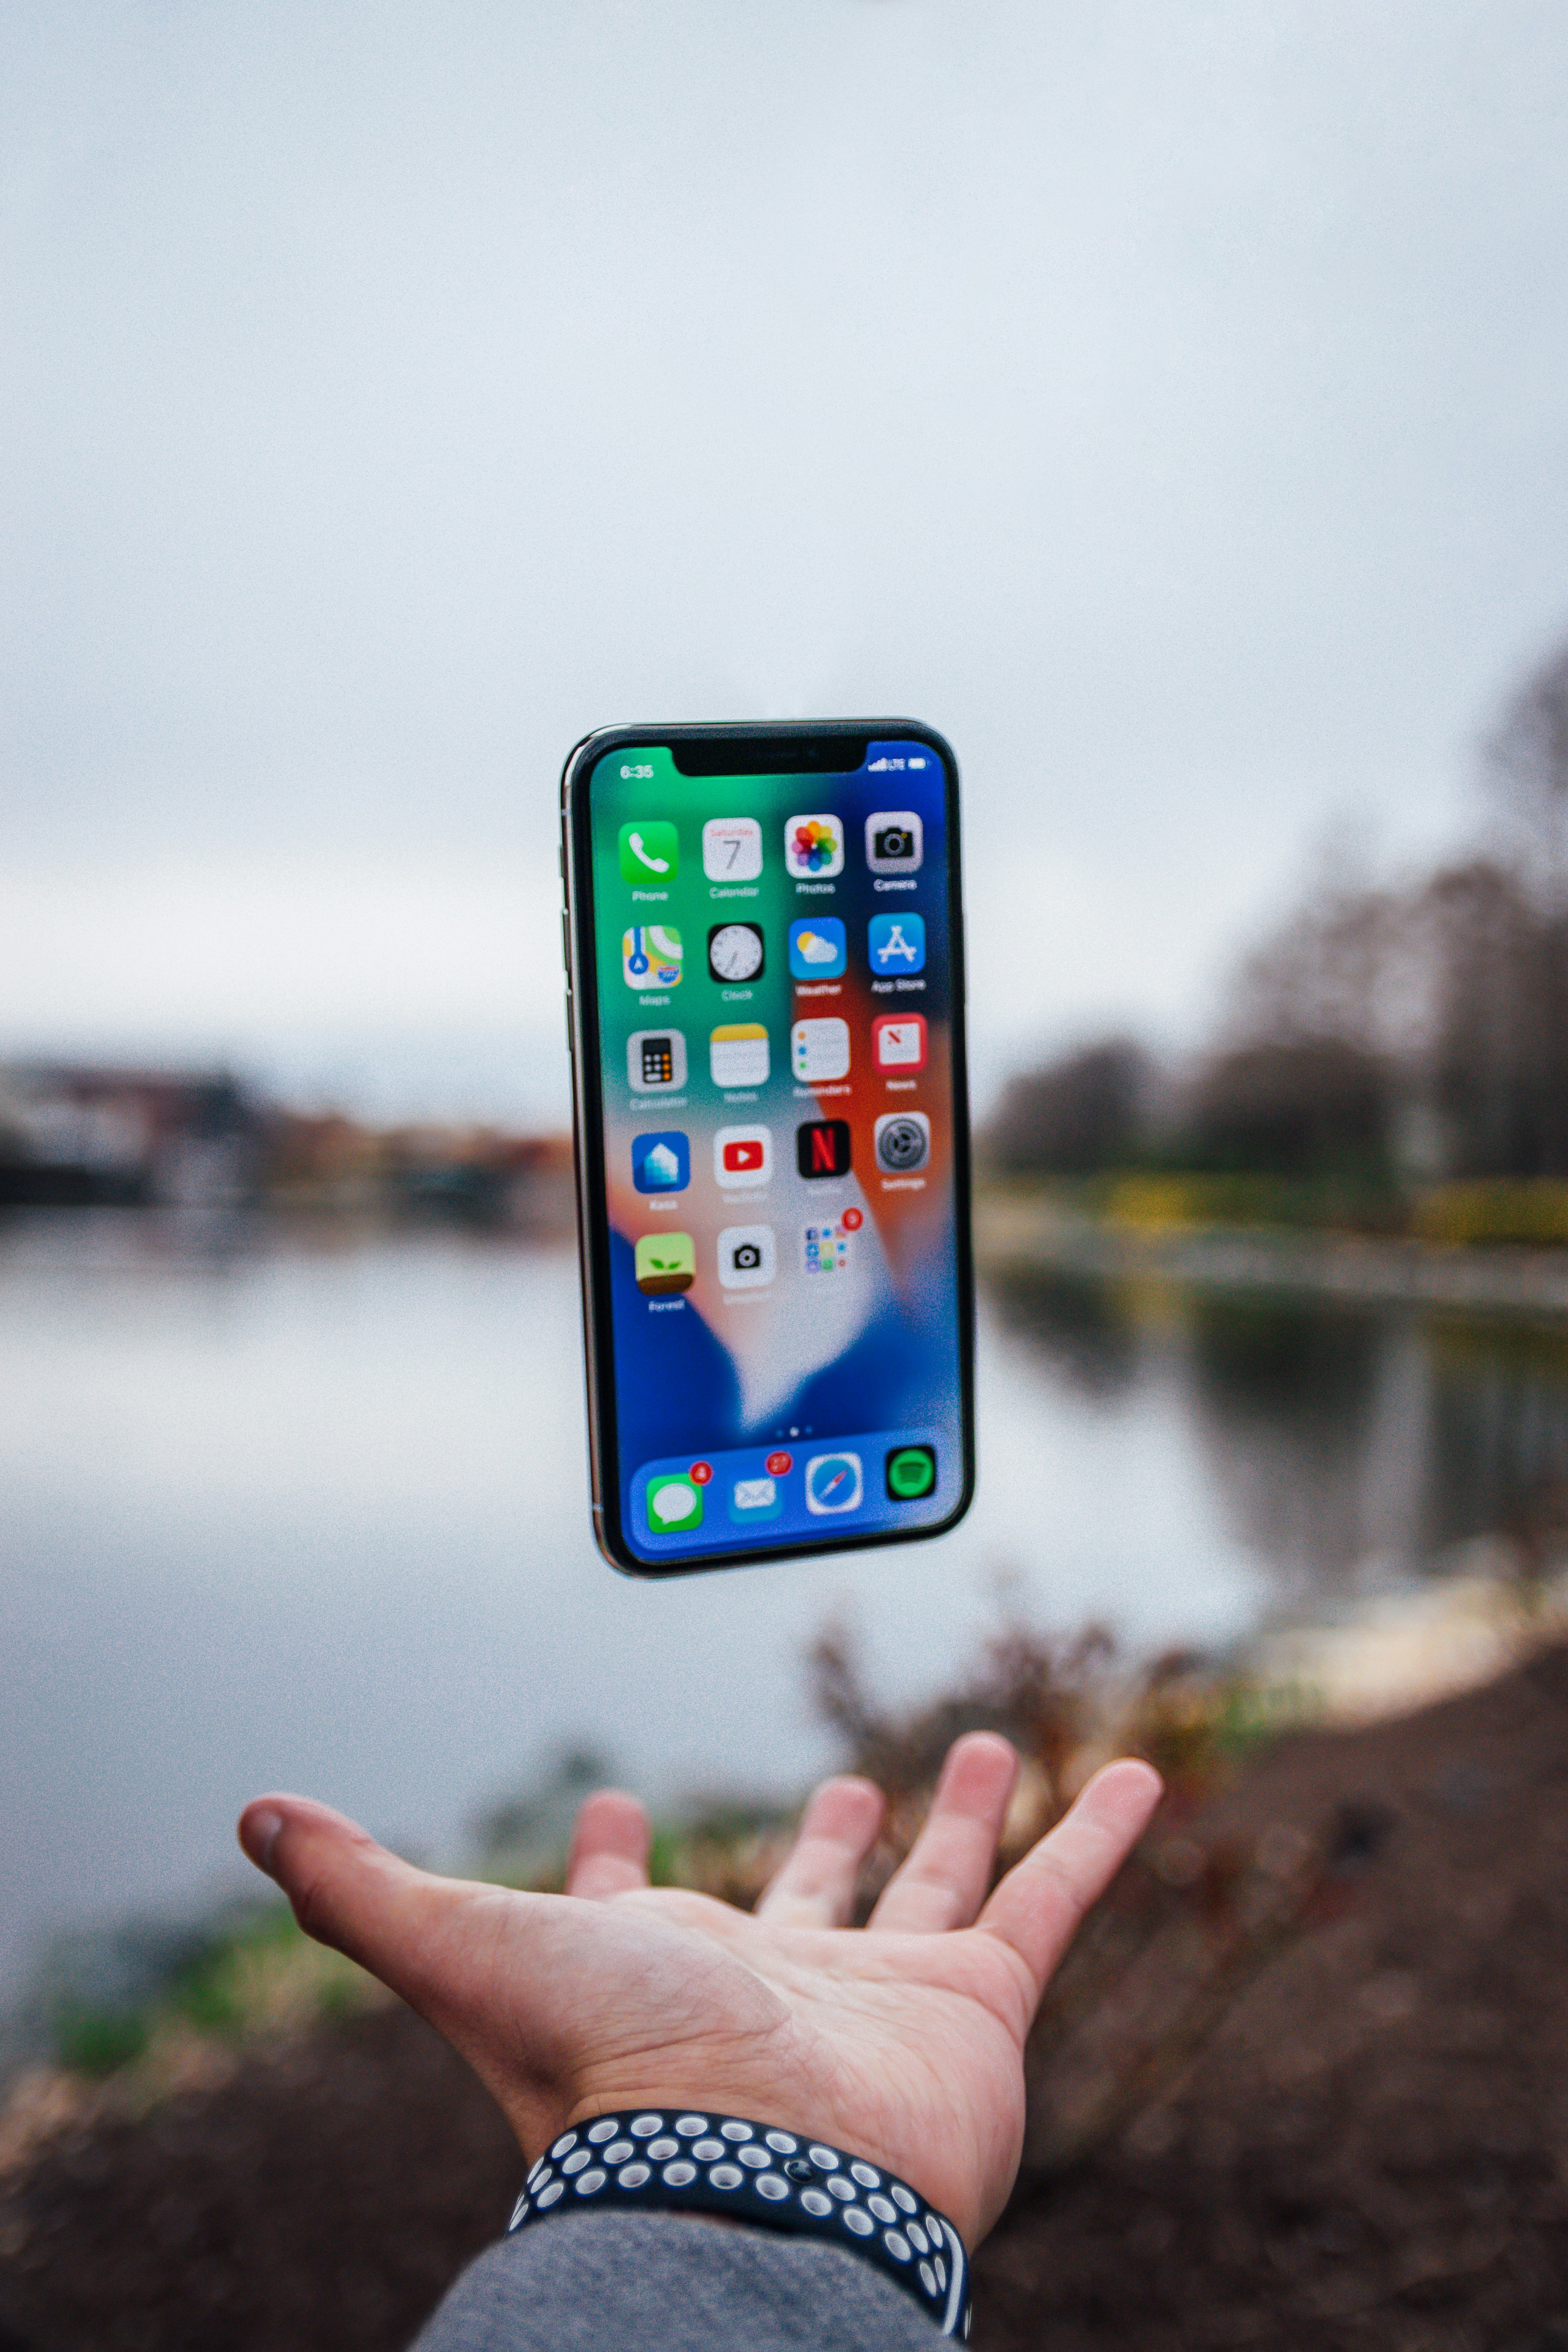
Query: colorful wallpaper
[{"x": 773, "y": 973}]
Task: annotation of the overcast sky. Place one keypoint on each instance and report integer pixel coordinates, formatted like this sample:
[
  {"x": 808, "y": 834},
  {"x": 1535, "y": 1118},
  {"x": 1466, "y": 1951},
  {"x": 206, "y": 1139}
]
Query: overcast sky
[{"x": 1169, "y": 401}]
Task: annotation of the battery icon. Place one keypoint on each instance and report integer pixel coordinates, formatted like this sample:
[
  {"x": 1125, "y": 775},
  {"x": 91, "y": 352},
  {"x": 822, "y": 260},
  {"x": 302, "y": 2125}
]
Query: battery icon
[{"x": 917, "y": 763}]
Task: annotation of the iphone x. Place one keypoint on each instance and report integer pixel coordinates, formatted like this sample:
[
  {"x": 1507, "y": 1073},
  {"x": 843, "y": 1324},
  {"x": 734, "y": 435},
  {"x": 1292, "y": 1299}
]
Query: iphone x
[{"x": 765, "y": 1008}]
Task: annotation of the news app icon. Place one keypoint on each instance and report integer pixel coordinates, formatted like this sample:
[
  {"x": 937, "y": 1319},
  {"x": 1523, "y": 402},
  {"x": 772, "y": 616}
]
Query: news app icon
[
  {"x": 748, "y": 1257},
  {"x": 661, "y": 1163},
  {"x": 895, "y": 842},
  {"x": 822, "y": 1147},
  {"x": 896, "y": 945},
  {"x": 732, "y": 850},
  {"x": 656, "y": 1061},
  {"x": 813, "y": 847},
  {"x": 898, "y": 1042},
  {"x": 742, "y": 1155}
]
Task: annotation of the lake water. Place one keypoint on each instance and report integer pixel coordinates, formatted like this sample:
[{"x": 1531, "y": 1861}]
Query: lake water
[{"x": 308, "y": 1509}]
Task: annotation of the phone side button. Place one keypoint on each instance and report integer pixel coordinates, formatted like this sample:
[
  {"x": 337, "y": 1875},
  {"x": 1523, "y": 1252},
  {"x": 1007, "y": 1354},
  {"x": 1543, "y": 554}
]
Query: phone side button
[
  {"x": 566, "y": 941},
  {"x": 569, "y": 1047}
]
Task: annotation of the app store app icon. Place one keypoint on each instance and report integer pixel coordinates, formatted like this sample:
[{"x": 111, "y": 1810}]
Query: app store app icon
[{"x": 896, "y": 945}]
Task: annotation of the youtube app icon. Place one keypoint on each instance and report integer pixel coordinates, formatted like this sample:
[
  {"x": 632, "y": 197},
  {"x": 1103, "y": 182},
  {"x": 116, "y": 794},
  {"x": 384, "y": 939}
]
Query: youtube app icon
[{"x": 741, "y": 1156}]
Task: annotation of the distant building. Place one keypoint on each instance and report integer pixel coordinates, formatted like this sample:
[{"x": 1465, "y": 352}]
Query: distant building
[{"x": 75, "y": 1136}]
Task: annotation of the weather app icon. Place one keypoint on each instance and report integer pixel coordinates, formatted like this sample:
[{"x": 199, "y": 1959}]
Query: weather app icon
[
  {"x": 817, "y": 948},
  {"x": 661, "y": 1163},
  {"x": 896, "y": 945}
]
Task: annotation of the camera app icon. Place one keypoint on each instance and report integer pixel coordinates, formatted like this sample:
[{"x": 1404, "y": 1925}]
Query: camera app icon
[
  {"x": 747, "y": 1256},
  {"x": 895, "y": 842}
]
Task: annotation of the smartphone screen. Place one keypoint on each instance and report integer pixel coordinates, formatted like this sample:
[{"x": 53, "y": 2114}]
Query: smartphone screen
[{"x": 773, "y": 1130}]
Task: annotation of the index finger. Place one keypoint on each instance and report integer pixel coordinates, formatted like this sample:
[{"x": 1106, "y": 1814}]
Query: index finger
[{"x": 1038, "y": 1905}]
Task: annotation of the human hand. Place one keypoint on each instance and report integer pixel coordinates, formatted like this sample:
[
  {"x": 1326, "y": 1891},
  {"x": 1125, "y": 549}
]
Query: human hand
[{"x": 902, "y": 2041}]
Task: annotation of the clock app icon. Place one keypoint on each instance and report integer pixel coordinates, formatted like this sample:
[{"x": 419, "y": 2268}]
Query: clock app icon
[{"x": 735, "y": 951}]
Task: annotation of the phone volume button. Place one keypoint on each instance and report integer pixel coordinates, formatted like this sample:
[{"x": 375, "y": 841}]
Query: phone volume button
[
  {"x": 571, "y": 1048},
  {"x": 566, "y": 941}
]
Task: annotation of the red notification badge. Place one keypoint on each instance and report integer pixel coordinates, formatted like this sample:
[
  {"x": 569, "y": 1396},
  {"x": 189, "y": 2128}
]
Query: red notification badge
[{"x": 778, "y": 1465}]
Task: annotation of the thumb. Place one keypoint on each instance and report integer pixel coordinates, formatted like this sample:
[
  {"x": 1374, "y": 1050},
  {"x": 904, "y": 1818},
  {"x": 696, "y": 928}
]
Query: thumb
[{"x": 400, "y": 1923}]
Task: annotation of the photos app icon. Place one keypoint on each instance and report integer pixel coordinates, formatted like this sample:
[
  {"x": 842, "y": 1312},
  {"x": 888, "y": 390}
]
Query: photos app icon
[{"x": 813, "y": 847}]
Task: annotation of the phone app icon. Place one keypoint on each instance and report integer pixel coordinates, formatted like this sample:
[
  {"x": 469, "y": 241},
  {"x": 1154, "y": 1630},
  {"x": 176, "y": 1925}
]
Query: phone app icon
[
  {"x": 899, "y": 1041},
  {"x": 742, "y": 1155},
  {"x": 732, "y": 850},
  {"x": 650, "y": 851},
  {"x": 822, "y": 1147},
  {"x": 825, "y": 1249},
  {"x": 818, "y": 950},
  {"x": 747, "y": 1256},
  {"x": 666, "y": 1261},
  {"x": 896, "y": 943},
  {"x": 895, "y": 842},
  {"x": 661, "y": 1163},
  {"x": 910, "y": 1471},
  {"x": 738, "y": 1054},
  {"x": 673, "y": 1505},
  {"x": 834, "y": 1481},
  {"x": 755, "y": 1499},
  {"x": 819, "y": 1050},
  {"x": 901, "y": 1139},
  {"x": 650, "y": 956},
  {"x": 656, "y": 1061},
  {"x": 735, "y": 951},
  {"x": 813, "y": 847}
]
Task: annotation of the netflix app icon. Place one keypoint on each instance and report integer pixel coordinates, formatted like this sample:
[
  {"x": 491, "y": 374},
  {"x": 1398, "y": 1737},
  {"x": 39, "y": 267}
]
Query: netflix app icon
[{"x": 822, "y": 1147}]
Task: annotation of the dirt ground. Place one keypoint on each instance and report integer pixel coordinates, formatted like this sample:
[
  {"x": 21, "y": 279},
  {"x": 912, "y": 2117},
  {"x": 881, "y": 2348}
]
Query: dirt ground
[{"x": 1370, "y": 2146}]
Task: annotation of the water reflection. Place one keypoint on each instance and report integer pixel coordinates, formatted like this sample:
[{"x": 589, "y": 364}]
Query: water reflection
[
  {"x": 305, "y": 1507},
  {"x": 1342, "y": 1440}
]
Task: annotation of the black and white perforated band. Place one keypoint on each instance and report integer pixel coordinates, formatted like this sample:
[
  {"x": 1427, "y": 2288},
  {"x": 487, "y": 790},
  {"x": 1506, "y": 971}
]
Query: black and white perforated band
[{"x": 724, "y": 2164}]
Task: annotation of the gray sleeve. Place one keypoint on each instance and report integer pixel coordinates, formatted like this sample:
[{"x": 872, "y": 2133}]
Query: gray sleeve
[{"x": 669, "y": 2283}]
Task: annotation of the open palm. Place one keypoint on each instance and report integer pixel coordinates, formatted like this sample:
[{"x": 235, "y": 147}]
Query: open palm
[{"x": 902, "y": 2041}]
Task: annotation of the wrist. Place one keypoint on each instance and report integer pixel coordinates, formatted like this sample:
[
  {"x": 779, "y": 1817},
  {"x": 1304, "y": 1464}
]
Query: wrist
[{"x": 677, "y": 2158}]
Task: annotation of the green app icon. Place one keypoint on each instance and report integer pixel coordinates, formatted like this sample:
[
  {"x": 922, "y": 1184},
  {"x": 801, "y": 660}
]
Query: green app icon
[
  {"x": 650, "y": 851},
  {"x": 666, "y": 1261},
  {"x": 673, "y": 1505},
  {"x": 911, "y": 1473}
]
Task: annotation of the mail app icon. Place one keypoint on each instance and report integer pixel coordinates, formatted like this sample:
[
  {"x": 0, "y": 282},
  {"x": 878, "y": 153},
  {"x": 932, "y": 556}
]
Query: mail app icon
[{"x": 755, "y": 1499}]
